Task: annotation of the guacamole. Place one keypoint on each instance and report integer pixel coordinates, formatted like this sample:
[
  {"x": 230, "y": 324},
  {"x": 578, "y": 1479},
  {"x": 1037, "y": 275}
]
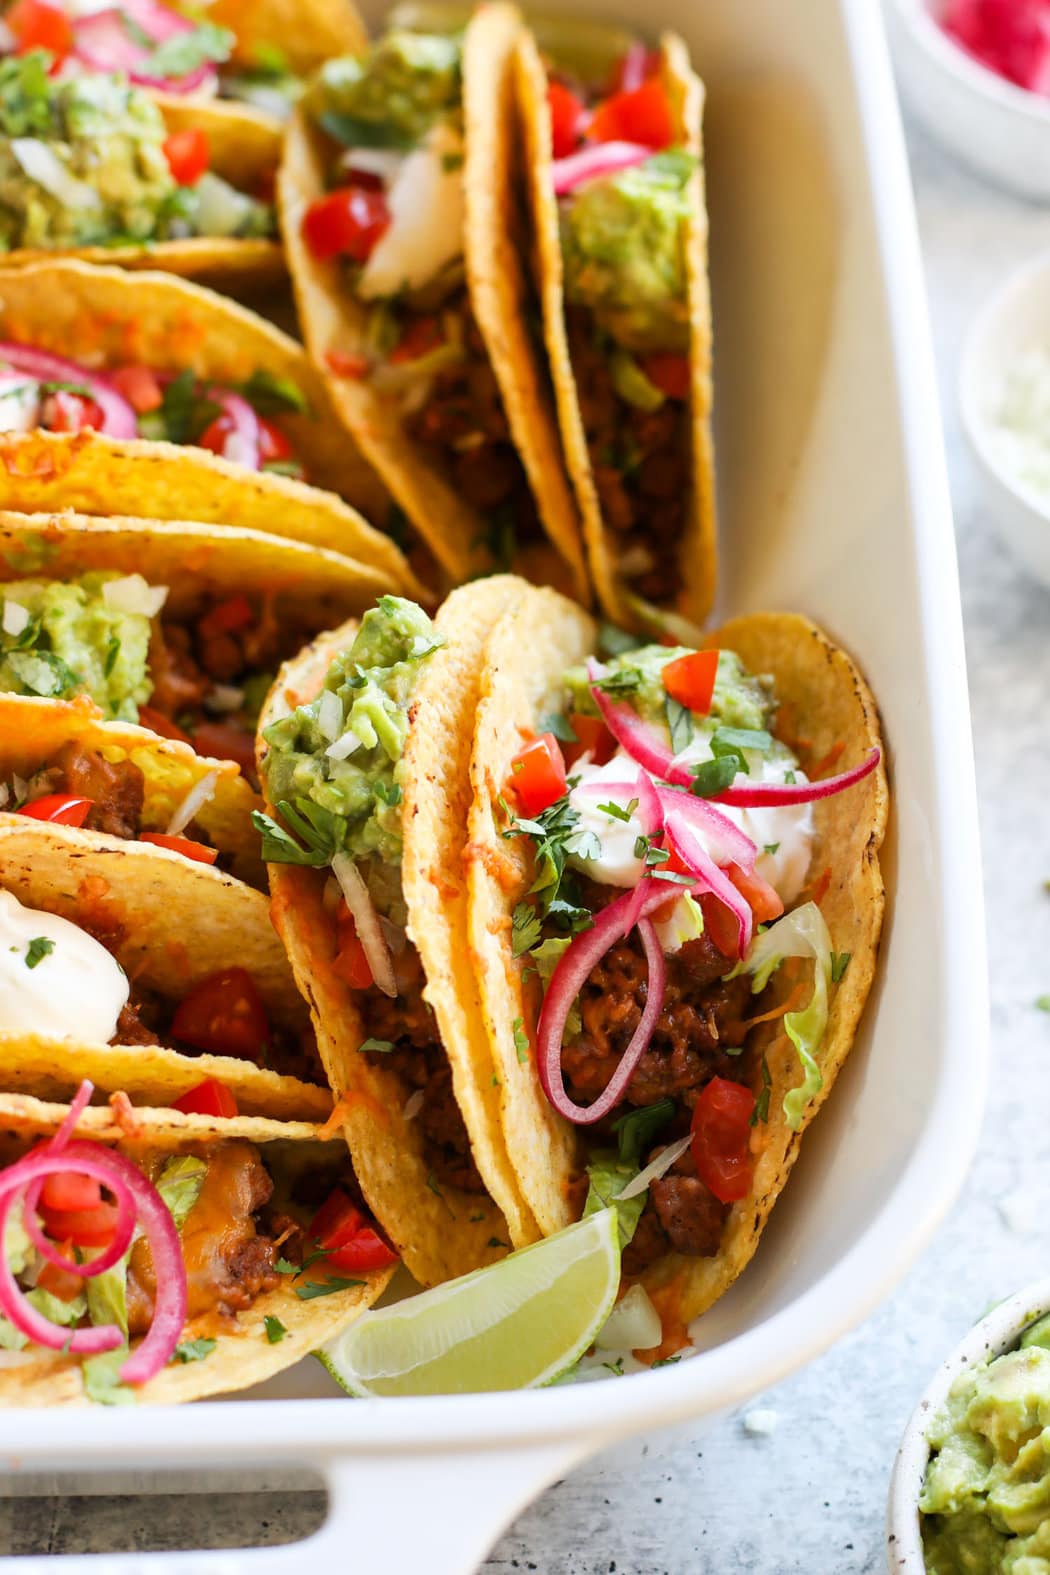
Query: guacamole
[
  {"x": 81, "y": 159},
  {"x": 391, "y": 97},
  {"x": 336, "y": 761},
  {"x": 75, "y": 641},
  {"x": 623, "y": 242},
  {"x": 986, "y": 1499},
  {"x": 739, "y": 700}
]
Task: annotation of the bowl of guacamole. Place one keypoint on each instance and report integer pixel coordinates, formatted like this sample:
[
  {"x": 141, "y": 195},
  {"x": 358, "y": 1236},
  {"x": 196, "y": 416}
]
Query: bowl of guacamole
[{"x": 970, "y": 1493}]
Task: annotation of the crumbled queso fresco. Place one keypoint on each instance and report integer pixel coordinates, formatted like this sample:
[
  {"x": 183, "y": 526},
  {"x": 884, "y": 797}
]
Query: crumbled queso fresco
[{"x": 1020, "y": 423}]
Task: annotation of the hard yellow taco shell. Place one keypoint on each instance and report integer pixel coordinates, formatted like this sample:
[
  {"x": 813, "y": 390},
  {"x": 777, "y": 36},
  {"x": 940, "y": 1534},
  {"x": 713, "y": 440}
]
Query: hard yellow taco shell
[
  {"x": 829, "y": 703},
  {"x": 697, "y": 548},
  {"x": 104, "y": 317},
  {"x": 243, "y": 1353},
  {"x": 440, "y": 1232},
  {"x": 306, "y": 32}
]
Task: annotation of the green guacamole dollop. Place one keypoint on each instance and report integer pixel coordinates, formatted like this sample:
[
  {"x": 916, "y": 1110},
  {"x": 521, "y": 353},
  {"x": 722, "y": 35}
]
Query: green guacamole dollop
[
  {"x": 623, "y": 243},
  {"x": 105, "y": 135},
  {"x": 740, "y": 699},
  {"x": 986, "y": 1499},
  {"x": 373, "y": 682},
  {"x": 75, "y": 643},
  {"x": 390, "y": 97}
]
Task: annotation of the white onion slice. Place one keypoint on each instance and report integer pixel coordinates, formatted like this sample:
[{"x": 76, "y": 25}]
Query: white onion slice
[
  {"x": 224, "y": 698},
  {"x": 344, "y": 746},
  {"x": 658, "y": 1167},
  {"x": 633, "y": 1324},
  {"x": 413, "y": 1105},
  {"x": 43, "y": 166},
  {"x": 330, "y": 715},
  {"x": 195, "y": 800},
  {"x": 133, "y": 594},
  {"x": 15, "y": 619},
  {"x": 366, "y": 919}
]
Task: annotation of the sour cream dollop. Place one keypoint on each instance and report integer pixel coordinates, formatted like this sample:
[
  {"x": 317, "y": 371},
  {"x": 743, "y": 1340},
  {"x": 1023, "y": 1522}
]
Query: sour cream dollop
[
  {"x": 73, "y": 989},
  {"x": 783, "y": 834},
  {"x": 426, "y": 206}
]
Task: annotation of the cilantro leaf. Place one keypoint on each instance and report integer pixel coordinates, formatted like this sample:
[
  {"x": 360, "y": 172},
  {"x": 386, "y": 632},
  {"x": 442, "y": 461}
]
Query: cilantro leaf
[
  {"x": 637, "y": 1130},
  {"x": 680, "y": 723},
  {"x": 840, "y": 961},
  {"x": 526, "y": 927},
  {"x": 269, "y": 394},
  {"x": 275, "y": 1329},
  {"x": 617, "y": 811},
  {"x": 182, "y": 53},
  {"x": 318, "y": 828},
  {"x": 330, "y": 1287},
  {"x": 558, "y": 724},
  {"x": 771, "y": 848},
  {"x": 521, "y": 1041},
  {"x": 379, "y": 1046},
  {"x": 714, "y": 776},
  {"x": 761, "y": 1110},
  {"x": 40, "y": 946},
  {"x": 194, "y": 1350}
]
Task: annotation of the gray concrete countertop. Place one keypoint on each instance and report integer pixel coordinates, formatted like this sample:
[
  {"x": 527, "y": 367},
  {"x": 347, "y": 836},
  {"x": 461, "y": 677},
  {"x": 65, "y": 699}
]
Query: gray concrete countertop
[{"x": 808, "y": 1497}]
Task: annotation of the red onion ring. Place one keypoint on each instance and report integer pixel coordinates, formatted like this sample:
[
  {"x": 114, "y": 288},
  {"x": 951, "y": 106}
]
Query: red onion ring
[
  {"x": 633, "y": 69},
  {"x": 242, "y": 443},
  {"x": 710, "y": 878},
  {"x": 776, "y": 793},
  {"x": 122, "y": 1234},
  {"x": 118, "y": 418},
  {"x": 81, "y": 1099},
  {"x": 601, "y": 158},
  {"x": 567, "y": 980},
  {"x": 101, "y": 41}
]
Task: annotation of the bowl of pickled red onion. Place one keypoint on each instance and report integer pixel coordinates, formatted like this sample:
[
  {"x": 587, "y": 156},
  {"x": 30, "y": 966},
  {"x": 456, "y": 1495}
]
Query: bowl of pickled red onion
[{"x": 976, "y": 74}]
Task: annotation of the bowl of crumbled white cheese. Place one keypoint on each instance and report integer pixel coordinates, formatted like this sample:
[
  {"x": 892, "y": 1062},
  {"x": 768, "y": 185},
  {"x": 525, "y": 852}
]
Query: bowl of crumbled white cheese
[{"x": 1005, "y": 399}]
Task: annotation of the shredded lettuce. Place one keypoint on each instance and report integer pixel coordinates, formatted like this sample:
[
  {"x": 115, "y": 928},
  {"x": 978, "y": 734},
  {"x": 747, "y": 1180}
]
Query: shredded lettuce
[
  {"x": 11, "y": 1339},
  {"x": 68, "y": 1314},
  {"x": 18, "y": 1249},
  {"x": 546, "y": 958},
  {"x": 180, "y": 1183},
  {"x": 102, "y": 1378},
  {"x": 107, "y": 1296},
  {"x": 801, "y": 933},
  {"x": 608, "y": 1177}
]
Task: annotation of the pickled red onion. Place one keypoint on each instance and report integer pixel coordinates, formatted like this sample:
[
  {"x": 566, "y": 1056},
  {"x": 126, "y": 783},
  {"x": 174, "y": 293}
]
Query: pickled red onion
[
  {"x": 118, "y": 418},
  {"x": 102, "y": 41},
  {"x": 709, "y": 877},
  {"x": 756, "y": 794},
  {"x": 242, "y": 443},
  {"x": 601, "y": 158}
]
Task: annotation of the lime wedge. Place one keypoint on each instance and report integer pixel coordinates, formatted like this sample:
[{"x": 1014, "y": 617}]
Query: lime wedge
[{"x": 516, "y": 1324}]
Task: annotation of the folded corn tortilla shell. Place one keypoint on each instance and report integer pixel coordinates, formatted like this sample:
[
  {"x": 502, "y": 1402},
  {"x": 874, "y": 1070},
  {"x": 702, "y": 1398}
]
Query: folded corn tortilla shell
[
  {"x": 38, "y": 1115},
  {"x": 243, "y": 1353},
  {"x": 171, "y": 923},
  {"x": 244, "y": 149},
  {"x": 697, "y": 547},
  {"x": 31, "y": 735},
  {"x": 442, "y": 1233},
  {"x": 105, "y": 317},
  {"x": 306, "y": 32},
  {"x": 829, "y": 704},
  {"x": 499, "y": 289}
]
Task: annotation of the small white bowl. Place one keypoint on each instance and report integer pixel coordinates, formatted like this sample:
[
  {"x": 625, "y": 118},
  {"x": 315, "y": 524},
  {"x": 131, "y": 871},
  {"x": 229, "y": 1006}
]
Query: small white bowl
[
  {"x": 999, "y": 129},
  {"x": 1015, "y": 320},
  {"x": 996, "y": 1333}
]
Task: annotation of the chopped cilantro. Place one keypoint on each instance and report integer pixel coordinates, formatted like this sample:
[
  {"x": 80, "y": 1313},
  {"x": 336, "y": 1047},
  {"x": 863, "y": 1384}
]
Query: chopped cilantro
[
  {"x": 388, "y": 793},
  {"x": 668, "y": 1361},
  {"x": 194, "y": 1350},
  {"x": 110, "y": 660},
  {"x": 494, "y": 1241},
  {"x": 617, "y": 811},
  {"x": 714, "y": 776},
  {"x": 626, "y": 681},
  {"x": 275, "y": 1330},
  {"x": 525, "y": 928},
  {"x": 771, "y": 848},
  {"x": 680, "y": 723},
  {"x": 184, "y": 412},
  {"x": 616, "y": 1368},
  {"x": 637, "y": 1130},
  {"x": 284, "y": 1267},
  {"x": 270, "y": 394},
  {"x": 840, "y": 961},
  {"x": 560, "y": 726},
  {"x": 379, "y": 1046},
  {"x": 182, "y": 53},
  {"x": 761, "y": 1110},
  {"x": 318, "y": 828},
  {"x": 315, "y": 1288},
  {"x": 790, "y": 778},
  {"x": 40, "y": 946},
  {"x": 521, "y": 1040}
]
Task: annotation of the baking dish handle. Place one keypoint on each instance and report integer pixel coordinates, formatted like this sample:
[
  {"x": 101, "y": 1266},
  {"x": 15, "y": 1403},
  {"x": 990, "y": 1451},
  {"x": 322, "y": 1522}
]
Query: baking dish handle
[{"x": 394, "y": 1515}]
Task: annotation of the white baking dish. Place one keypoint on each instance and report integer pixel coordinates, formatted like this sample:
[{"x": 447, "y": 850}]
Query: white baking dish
[{"x": 835, "y": 504}]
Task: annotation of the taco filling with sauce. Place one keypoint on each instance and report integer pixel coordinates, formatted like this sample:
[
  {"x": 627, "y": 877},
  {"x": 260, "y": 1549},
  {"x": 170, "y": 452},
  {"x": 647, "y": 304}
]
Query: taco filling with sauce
[
  {"x": 88, "y": 161},
  {"x": 332, "y": 772},
  {"x": 115, "y": 1255},
  {"x": 201, "y": 679},
  {"x": 672, "y": 843},
  {"x": 63, "y": 981},
  {"x": 40, "y": 391},
  {"x": 393, "y": 217}
]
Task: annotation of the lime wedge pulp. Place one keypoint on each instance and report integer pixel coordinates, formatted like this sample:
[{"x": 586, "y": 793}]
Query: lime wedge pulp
[{"x": 515, "y": 1324}]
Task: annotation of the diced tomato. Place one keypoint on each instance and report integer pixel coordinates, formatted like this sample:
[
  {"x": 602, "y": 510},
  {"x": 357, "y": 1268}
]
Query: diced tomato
[
  {"x": 226, "y": 741},
  {"x": 37, "y": 25},
  {"x": 351, "y": 962},
  {"x": 60, "y": 1282},
  {"x": 188, "y": 154},
  {"x": 66, "y": 412},
  {"x": 691, "y": 680},
  {"x": 721, "y": 1129},
  {"x": 765, "y": 904},
  {"x": 65, "y": 1192},
  {"x": 348, "y": 1237},
  {"x": 721, "y": 925},
  {"x": 139, "y": 386},
  {"x": 92, "y": 1227},
  {"x": 273, "y": 445},
  {"x": 199, "y": 852},
  {"x": 537, "y": 774},
  {"x": 668, "y": 370},
  {"x": 346, "y": 223},
  {"x": 59, "y": 809},
  {"x": 225, "y": 1015},
  {"x": 210, "y": 1098},
  {"x": 157, "y": 722},
  {"x": 642, "y": 116},
  {"x": 217, "y": 434},
  {"x": 567, "y": 118},
  {"x": 421, "y": 335},
  {"x": 593, "y": 737},
  {"x": 226, "y": 617},
  {"x": 344, "y": 365}
]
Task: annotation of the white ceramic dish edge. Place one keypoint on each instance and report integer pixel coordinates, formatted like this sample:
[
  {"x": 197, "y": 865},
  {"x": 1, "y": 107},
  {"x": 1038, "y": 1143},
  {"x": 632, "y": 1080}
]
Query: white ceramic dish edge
[
  {"x": 430, "y": 1483},
  {"x": 996, "y": 1333}
]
